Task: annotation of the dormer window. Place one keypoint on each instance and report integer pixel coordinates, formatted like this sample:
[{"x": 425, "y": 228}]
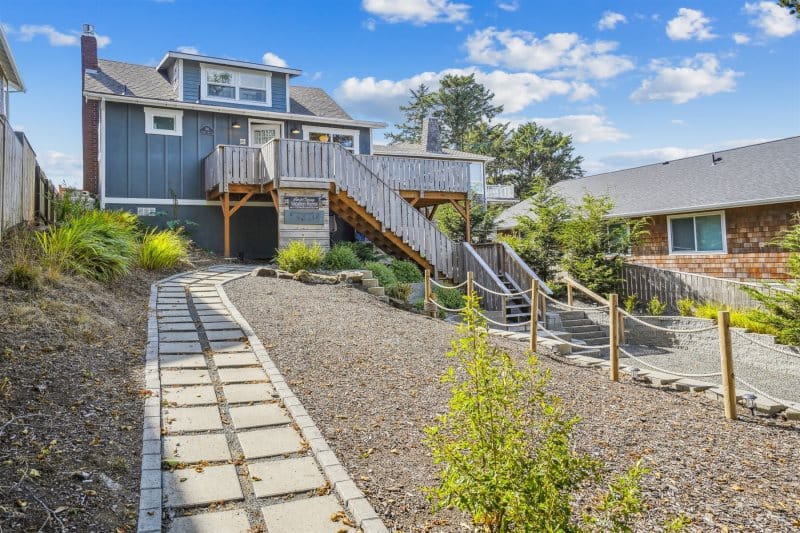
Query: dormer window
[{"x": 232, "y": 85}]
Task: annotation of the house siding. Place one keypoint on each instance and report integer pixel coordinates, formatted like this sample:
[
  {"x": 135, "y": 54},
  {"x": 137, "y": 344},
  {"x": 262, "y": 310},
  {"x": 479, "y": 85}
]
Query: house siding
[
  {"x": 191, "y": 90},
  {"x": 749, "y": 255}
]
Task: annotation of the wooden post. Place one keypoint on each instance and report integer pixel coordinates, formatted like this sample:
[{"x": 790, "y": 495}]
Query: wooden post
[
  {"x": 534, "y": 312},
  {"x": 569, "y": 293},
  {"x": 470, "y": 283},
  {"x": 613, "y": 335},
  {"x": 726, "y": 354},
  {"x": 621, "y": 327},
  {"x": 467, "y": 229},
  {"x": 504, "y": 309},
  {"x": 226, "y": 222},
  {"x": 427, "y": 286}
]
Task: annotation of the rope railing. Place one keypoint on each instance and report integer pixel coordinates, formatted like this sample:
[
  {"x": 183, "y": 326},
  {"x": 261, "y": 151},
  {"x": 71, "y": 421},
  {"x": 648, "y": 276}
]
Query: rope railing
[
  {"x": 669, "y": 330},
  {"x": 758, "y": 391},
  {"x": 576, "y": 307},
  {"x": 574, "y": 345},
  {"x": 665, "y": 371},
  {"x": 443, "y": 308},
  {"x": 503, "y": 324},
  {"x": 443, "y": 286},
  {"x": 506, "y": 294},
  {"x": 765, "y": 345}
]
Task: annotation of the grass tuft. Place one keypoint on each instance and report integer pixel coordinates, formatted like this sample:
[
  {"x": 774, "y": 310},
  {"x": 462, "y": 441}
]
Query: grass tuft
[{"x": 162, "y": 250}]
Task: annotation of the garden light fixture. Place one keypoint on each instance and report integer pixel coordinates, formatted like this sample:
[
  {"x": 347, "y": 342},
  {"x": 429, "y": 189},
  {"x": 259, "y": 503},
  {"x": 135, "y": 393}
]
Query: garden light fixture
[
  {"x": 634, "y": 373},
  {"x": 750, "y": 402}
]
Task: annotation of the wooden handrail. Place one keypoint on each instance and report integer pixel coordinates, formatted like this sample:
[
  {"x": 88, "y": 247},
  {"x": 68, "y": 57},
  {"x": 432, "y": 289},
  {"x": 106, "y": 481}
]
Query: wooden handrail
[
  {"x": 486, "y": 268},
  {"x": 524, "y": 266},
  {"x": 588, "y": 292}
]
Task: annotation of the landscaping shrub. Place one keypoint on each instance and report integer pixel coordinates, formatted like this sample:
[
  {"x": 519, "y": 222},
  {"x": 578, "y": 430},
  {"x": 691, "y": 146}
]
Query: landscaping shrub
[
  {"x": 364, "y": 250},
  {"x": 630, "y": 303},
  {"x": 382, "y": 273},
  {"x": 686, "y": 306},
  {"x": 96, "y": 244},
  {"x": 401, "y": 291},
  {"x": 739, "y": 318},
  {"x": 503, "y": 447},
  {"x": 162, "y": 250},
  {"x": 655, "y": 307},
  {"x": 406, "y": 271},
  {"x": 300, "y": 256},
  {"x": 24, "y": 271},
  {"x": 341, "y": 257},
  {"x": 450, "y": 298}
]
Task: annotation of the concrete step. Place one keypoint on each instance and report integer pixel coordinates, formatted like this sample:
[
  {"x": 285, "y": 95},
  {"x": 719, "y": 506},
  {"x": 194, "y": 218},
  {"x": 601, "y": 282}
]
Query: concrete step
[
  {"x": 598, "y": 341},
  {"x": 586, "y": 352},
  {"x": 377, "y": 291},
  {"x": 692, "y": 385},
  {"x": 589, "y": 334},
  {"x": 559, "y": 335},
  {"x": 571, "y": 315},
  {"x": 370, "y": 283},
  {"x": 587, "y": 328},
  {"x": 578, "y": 322}
]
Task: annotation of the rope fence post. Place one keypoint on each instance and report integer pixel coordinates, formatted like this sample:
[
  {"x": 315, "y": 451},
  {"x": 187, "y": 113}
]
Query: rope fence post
[
  {"x": 470, "y": 283},
  {"x": 726, "y": 353},
  {"x": 569, "y": 293},
  {"x": 534, "y": 312},
  {"x": 613, "y": 336},
  {"x": 428, "y": 305}
]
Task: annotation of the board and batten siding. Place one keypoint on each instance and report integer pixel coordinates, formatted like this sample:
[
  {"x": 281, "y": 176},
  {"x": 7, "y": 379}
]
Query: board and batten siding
[
  {"x": 140, "y": 165},
  {"x": 191, "y": 89}
]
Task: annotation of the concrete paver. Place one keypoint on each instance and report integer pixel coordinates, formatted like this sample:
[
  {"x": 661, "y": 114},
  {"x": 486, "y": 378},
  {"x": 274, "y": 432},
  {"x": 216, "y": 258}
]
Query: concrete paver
[
  {"x": 234, "y": 521},
  {"x": 253, "y": 416},
  {"x": 248, "y": 392},
  {"x": 226, "y": 335},
  {"x": 235, "y": 359},
  {"x": 178, "y": 419},
  {"x": 196, "y": 360},
  {"x": 312, "y": 515},
  {"x": 179, "y": 347},
  {"x": 188, "y": 487},
  {"x": 241, "y": 375},
  {"x": 284, "y": 476},
  {"x": 230, "y": 346},
  {"x": 221, "y": 324},
  {"x": 269, "y": 442},
  {"x": 178, "y": 336},
  {"x": 195, "y": 448},
  {"x": 185, "y": 377},
  {"x": 193, "y": 395}
]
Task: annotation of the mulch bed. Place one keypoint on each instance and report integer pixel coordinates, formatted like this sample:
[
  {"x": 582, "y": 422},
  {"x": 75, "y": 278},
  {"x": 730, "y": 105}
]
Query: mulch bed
[
  {"x": 369, "y": 376},
  {"x": 71, "y": 403}
]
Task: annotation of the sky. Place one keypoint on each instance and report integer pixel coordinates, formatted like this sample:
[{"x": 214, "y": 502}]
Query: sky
[{"x": 634, "y": 82}]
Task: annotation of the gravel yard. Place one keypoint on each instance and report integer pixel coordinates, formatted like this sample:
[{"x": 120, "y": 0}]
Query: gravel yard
[{"x": 369, "y": 376}]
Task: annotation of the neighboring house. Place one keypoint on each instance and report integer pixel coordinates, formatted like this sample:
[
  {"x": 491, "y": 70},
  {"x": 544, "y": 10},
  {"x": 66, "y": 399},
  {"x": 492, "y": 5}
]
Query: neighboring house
[
  {"x": 10, "y": 79},
  {"x": 713, "y": 214}
]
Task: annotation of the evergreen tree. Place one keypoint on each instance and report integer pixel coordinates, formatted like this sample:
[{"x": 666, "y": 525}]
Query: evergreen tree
[
  {"x": 490, "y": 140},
  {"x": 463, "y": 104},
  {"x": 482, "y": 222},
  {"x": 420, "y": 106},
  {"x": 537, "y": 153}
]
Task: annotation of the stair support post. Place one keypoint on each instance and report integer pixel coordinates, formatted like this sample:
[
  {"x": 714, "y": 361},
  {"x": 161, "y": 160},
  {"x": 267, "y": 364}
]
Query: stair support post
[
  {"x": 613, "y": 335},
  {"x": 428, "y": 307},
  {"x": 470, "y": 283},
  {"x": 726, "y": 355},
  {"x": 569, "y": 293},
  {"x": 534, "y": 313}
]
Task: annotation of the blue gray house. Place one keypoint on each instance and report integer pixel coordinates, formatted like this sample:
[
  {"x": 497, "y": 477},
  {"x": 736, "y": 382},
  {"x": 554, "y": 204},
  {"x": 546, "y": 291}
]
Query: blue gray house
[{"x": 257, "y": 161}]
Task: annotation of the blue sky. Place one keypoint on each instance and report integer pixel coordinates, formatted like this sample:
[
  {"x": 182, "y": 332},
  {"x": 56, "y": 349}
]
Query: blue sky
[{"x": 633, "y": 82}]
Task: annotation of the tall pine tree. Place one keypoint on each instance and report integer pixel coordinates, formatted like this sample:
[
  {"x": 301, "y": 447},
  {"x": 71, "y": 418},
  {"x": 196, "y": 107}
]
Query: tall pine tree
[
  {"x": 421, "y": 105},
  {"x": 463, "y": 104}
]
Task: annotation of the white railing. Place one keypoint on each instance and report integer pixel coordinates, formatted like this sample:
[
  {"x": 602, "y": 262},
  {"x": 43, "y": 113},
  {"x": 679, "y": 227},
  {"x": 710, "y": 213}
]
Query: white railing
[
  {"x": 415, "y": 174},
  {"x": 500, "y": 192},
  {"x": 229, "y": 164}
]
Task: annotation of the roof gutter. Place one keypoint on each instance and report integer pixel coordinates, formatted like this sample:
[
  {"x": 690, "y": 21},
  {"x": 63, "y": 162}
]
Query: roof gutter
[
  {"x": 711, "y": 207},
  {"x": 176, "y": 104}
]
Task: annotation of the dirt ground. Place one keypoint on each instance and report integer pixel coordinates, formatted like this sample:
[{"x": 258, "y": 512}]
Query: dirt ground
[
  {"x": 71, "y": 403},
  {"x": 369, "y": 376}
]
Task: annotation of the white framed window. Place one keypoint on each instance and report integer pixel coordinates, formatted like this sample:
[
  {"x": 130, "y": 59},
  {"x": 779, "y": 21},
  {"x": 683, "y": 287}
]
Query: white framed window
[
  {"x": 349, "y": 139},
  {"x": 163, "y": 121},
  {"x": 697, "y": 233},
  {"x": 224, "y": 84}
]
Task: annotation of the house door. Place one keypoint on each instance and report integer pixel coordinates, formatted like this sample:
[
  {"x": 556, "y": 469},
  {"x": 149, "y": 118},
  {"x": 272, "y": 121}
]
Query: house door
[{"x": 263, "y": 133}]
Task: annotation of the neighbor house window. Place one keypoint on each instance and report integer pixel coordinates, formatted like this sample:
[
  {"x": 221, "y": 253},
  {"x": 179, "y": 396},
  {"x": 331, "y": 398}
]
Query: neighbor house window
[
  {"x": 347, "y": 138},
  {"x": 699, "y": 233},
  {"x": 235, "y": 85},
  {"x": 163, "y": 121}
]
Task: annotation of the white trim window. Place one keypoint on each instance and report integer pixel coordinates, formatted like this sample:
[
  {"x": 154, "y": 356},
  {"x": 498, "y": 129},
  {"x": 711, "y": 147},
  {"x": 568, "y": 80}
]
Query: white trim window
[
  {"x": 349, "y": 139},
  {"x": 163, "y": 121},
  {"x": 697, "y": 233},
  {"x": 220, "y": 84}
]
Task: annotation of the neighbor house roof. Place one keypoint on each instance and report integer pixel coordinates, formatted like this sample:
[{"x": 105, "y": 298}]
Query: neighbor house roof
[
  {"x": 417, "y": 150},
  {"x": 8, "y": 67},
  {"x": 120, "y": 81},
  {"x": 759, "y": 174}
]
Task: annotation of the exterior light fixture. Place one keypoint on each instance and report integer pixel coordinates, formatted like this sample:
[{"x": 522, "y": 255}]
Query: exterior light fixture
[
  {"x": 634, "y": 373},
  {"x": 236, "y": 125},
  {"x": 324, "y": 138},
  {"x": 750, "y": 402},
  {"x": 295, "y": 131}
]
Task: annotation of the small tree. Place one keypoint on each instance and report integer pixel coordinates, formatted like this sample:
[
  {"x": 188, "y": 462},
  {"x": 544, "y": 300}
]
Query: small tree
[
  {"x": 482, "y": 222},
  {"x": 782, "y": 309},
  {"x": 594, "y": 243},
  {"x": 503, "y": 447},
  {"x": 537, "y": 235}
]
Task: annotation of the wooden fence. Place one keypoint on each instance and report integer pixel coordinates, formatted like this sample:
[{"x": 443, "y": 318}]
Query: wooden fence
[
  {"x": 26, "y": 192},
  {"x": 670, "y": 286}
]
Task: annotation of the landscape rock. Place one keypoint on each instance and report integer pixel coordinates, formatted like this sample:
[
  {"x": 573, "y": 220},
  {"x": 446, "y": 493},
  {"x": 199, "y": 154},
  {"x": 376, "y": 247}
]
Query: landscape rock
[{"x": 310, "y": 277}]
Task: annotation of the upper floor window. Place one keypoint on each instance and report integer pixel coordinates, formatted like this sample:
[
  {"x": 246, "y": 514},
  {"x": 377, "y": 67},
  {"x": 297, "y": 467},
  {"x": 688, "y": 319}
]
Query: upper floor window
[
  {"x": 163, "y": 121},
  {"x": 235, "y": 85},
  {"x": 701, "y": 233}
]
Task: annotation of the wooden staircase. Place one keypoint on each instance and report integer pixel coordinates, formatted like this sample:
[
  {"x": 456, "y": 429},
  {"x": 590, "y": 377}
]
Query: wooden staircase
[{"x": 518, "y": 308}]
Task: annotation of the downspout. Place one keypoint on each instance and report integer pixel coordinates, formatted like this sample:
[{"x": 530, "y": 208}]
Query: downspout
[{"x": 101, "y": 154}]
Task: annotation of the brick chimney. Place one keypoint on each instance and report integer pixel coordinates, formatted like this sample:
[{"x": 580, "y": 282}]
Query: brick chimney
[
  {"x": 430, "y": 138},
  {"x": 90, "y": 113}
]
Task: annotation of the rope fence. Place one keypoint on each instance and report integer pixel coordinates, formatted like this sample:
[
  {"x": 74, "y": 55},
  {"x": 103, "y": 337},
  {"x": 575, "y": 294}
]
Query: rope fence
[{"x": 616, "y": 332}]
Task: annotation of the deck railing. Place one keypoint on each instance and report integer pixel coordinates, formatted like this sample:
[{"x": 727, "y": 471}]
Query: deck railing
[
  {"x": 230, "y": 164},
  {"x": 414, "y": 174}
]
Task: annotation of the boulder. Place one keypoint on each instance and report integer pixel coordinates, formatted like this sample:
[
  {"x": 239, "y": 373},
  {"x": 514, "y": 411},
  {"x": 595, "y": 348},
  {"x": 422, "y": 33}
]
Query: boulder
[
  {"x": 282, "y": 274},
  {"x": 264, "y": 272},
  {"x": 309, "y": 277},
  {"x": 350, "y": 276}
]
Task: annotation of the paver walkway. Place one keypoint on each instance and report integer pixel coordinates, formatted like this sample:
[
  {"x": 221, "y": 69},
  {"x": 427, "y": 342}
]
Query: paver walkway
[{"x": 227, "y": 446}]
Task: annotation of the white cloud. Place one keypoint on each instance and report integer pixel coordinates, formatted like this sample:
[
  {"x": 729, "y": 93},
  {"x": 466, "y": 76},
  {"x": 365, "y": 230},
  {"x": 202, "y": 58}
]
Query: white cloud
[
  {"x": 772, "y": 19},
  {"x": 566, "y": 53},
  {"x": 678, "y": 121},
  {"x": 61, "y": 168},
  {"x": 583, "y": 128},
  {"x": 27, "y": 32},
  {"x": 511, "y": 6},
  {"x": 419, "y": 12},
  {"x": 369, "y": 24},
  {"x": 689, "y": 24},
  {"x": 741, "y": 38},
  {"x": 694, "y": 77},
  {"x": 188, "y": 50},
  {"x": 514, "y": 90},
  {"x": 610, "y": 20},
  {"x": 274, "y": 60}
]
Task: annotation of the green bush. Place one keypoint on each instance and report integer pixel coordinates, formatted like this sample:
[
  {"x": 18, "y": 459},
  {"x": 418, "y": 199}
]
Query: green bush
[
  {"x": 96, "y": 244},
  {"x": 341, "y": 257},
  {"x": 300, "y": 256},
  {"x": 630, "y": 303},
  {"x": 160, "y": 250},
  {"x": 686, "y": 306},
  {"x": 400, "y": 291},
  {"x": 24, "y": 271},
  {"x": 364, "y": 250},
  {"x": 382, "y": 273},
  {"x": 655, "y": 307},
  {"x": 450, "y": 298},
  {"x": 503, "y": 448},
  {"x": 739, "y": 318},
  {"x": 406, "y": 271}
]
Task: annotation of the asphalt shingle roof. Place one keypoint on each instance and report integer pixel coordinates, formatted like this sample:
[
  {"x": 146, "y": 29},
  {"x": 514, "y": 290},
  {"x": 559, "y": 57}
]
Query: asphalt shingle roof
[
  {"x": 316, "y": 102},
  {"x": 127, "y": 79},
  {"x": 765, "y": 173},
  {"x": 417, "y": 150}
]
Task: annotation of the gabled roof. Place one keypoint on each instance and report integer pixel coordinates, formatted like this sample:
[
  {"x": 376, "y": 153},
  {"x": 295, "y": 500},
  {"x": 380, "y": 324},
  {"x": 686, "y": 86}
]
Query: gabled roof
[
  {"x": 759, "y": 174},
  {"x": 315, "y": 102},
  {"x": 417, "y": 150},
  {"x": 8, "y": 67},
  {"x": 127, "y": 79}
]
